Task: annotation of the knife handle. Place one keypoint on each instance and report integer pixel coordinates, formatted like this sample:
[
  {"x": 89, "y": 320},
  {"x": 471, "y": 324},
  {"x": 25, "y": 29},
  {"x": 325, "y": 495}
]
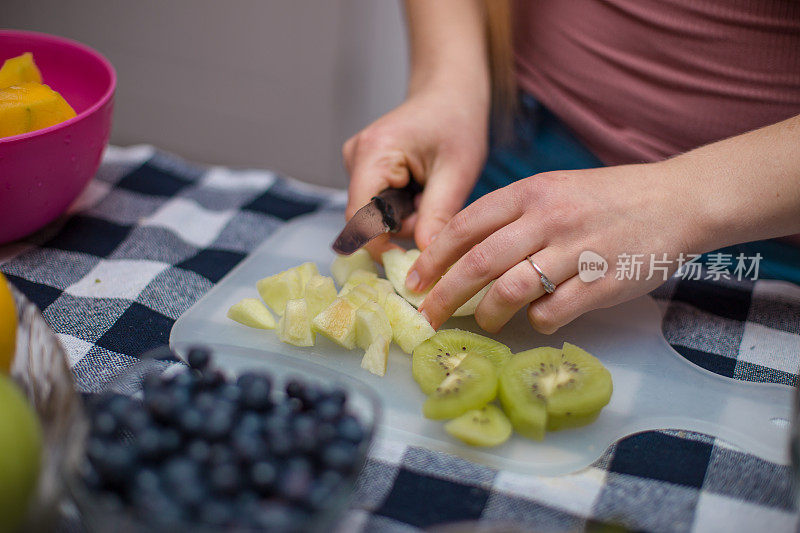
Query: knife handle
[{"x": 397, "y": 204}]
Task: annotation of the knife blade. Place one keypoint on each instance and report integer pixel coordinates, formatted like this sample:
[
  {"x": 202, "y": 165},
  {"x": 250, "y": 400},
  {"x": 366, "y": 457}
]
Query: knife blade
[{"x": 383, "y": 214}]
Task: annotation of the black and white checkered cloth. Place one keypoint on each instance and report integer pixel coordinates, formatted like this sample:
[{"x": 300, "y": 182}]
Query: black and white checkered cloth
[{"x": 152, "y": 233}]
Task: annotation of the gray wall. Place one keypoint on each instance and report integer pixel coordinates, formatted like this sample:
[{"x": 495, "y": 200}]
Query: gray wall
[{"x": 247, "y": 83}]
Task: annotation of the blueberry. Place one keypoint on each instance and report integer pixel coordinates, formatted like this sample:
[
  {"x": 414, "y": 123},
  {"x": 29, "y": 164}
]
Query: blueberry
[
  {"x": 191, "y": 494},
  {"x": 205, "y": 400},
  {"x": 280, "y": 444},
  {"x": 104, "y": 424},
  {"x": 117, "y": 405},
  {"x": 199, "y": 451},
  {"x": 309, "y": 396},
  {"x": 248, "y": 446},
  {"x": 294, "y": 388},
  {"x": 229, "y": 392},
  {"x": 250, "y": 423},
  {"x": 221, "y": 454},
  {"x": 216, "y": 513},
  {"x": 179, "y": 471},
  {"x": 263, "y": 475},
  {"x": 326, "y": 432},
  {"x": 116, "y": 464},
  {"x": 191, "y": 421},
  {"x": 170, "y": 440},
  {"x": 278, "y": 517},
  {"x": 319, "y": 496},
  {"x": 218, "y": 423},
  {"x": 294, "y": 482},
  {"x": 304, "y": 431},
  {"x": 96, "y": 449},
  {"x": 210, "y": 379},
  {"x": 184, "y": 380},
  {"x": 152, "y": 383},
  {"x": 339, "y": 455},
  {"x": 327, "y": 410},
  {"x": 350, "y": 429},
  {"x": 146, "y": 480},
  {"x": 160, "y": 404},
  {"x": 225, "y": 478},
  {"x": 337, "y": 395},
  {"x": 199, "y": 358},
  {"x": 136, "y": 419},
  {"x": 275, "y": 424},
  {"x": 256, "y": 393},
  {"x": 148, "y": 442}
]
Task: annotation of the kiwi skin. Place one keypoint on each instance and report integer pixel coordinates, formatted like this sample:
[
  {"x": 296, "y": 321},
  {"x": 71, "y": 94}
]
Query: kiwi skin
[{"x": 434, "y": 359}]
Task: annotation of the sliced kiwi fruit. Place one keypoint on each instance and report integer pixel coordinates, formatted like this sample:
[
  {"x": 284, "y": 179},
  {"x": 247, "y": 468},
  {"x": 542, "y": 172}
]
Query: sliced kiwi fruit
[
  {"x": 548, "y": 388},
  {"x": 434, "y": 359},
  {"x": 471, "y": 385},
  {"x": 487, "y": 426}
]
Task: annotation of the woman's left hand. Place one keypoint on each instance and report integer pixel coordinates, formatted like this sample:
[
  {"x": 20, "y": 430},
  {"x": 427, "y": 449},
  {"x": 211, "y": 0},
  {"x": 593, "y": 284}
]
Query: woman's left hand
[{"x": 629, "y": 211}]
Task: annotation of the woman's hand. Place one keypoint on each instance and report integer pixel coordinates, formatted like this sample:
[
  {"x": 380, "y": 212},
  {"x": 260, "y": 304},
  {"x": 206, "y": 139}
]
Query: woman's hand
[
  {"x": 634, "y": 209},
  {"x": 438, "y": 137}
]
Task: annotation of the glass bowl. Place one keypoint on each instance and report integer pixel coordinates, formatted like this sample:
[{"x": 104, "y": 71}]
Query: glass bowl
[{"x": 101, "y": 513}]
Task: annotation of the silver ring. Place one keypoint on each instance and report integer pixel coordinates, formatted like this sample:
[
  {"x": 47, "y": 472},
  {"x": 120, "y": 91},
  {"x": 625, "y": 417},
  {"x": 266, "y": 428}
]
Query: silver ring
[{"x": 548, "y": 285}]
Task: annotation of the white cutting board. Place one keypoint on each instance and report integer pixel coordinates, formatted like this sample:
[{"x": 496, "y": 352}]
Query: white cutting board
[{"x": 654, "y": 387}]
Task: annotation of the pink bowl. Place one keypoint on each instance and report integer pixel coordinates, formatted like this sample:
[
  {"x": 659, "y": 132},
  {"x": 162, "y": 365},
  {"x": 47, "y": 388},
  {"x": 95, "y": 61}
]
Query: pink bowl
[{"x": 42, "y": 172}]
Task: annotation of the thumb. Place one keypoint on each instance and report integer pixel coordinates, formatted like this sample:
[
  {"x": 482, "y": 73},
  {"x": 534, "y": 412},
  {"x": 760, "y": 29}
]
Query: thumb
[{"x": 443, "y": 196}]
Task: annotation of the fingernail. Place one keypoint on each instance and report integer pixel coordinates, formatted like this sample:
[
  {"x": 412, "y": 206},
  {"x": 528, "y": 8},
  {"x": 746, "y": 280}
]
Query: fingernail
[
  {"x": 412, "y": 280},
  {"x": 425, "y": 314}
]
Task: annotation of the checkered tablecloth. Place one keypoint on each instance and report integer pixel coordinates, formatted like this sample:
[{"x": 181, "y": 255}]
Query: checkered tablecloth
[{"x": 152, "y": 233}]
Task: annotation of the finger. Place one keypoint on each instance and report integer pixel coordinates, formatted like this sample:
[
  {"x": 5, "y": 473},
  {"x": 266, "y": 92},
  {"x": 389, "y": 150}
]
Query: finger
[
  {"x": 444, "y": 195},
  {"x": 469, "y": 226},
  {"x": 486, "y": 261},
  {"x": 521, "y": 285},
  {"x": 407, "y": 229},
  {"x": 373, "y": 172},
  {"x": 571, "y": 299}
]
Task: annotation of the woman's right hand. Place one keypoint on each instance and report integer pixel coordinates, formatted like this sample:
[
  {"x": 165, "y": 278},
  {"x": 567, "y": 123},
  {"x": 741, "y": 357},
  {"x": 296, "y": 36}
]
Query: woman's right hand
[{"x": 437, "y": 137}]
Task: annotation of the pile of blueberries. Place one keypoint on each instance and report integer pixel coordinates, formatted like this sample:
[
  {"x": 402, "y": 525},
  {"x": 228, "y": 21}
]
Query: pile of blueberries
[{"x": 238, "y": 455}]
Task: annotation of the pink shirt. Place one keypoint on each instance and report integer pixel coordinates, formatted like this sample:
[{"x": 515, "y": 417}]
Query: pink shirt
[{"x": 641, "y": 80}]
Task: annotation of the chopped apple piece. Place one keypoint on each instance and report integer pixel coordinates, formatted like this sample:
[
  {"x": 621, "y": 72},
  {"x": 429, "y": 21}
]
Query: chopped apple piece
[
  {"x": 371, "y": 324},
  {"x": 277, "y": 289},
  {"x": 252, "y": 312},
  {"x": 307, "y": 271},
  {"x": 359, "y": 277},
  {"x": 397, "y": 263},
  {"x": 320, "y": 292},
  {"x": 409, "y": 327},
  {"x": 294, "y": 327},
  {"x": 344, "y": 265},
  {"x": 376, "y": 356},
  {"x": 338, "y": 323},
  {"x": 361, "y": 294}
]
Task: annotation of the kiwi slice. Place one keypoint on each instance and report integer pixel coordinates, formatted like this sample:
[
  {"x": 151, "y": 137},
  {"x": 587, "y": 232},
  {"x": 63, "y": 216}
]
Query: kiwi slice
[
  {"x": 471, "y": 385},
  {"x": 434, "y": 359},
  {"x": 548, "y": 388},
  {"x": 488, "y": 426}
]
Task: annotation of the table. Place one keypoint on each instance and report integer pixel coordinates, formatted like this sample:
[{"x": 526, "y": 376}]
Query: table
[{"x": 153, "y": 232}]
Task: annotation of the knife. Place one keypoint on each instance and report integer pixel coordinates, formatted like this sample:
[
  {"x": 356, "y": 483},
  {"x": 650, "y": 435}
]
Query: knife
[{"x": 383, "y": 214}]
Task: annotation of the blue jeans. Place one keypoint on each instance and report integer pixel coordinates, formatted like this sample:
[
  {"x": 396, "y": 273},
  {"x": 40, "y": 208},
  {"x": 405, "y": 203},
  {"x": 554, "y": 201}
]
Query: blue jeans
[{"x": 541, "y": 143}]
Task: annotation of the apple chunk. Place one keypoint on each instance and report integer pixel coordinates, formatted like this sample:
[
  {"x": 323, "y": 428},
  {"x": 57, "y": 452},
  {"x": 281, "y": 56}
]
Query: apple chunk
[
  {"x": 338, "y": 323},
  {"x": 294, "y": 327},
  {"x": 253, "y": 313},
  {"x": 276, "y": 290},
  {"x": 344, "y": 265},
  {"x": 320, "y": 292},
  {"x": 397, "y": 263},
  {"x": 409, "y": 327}
]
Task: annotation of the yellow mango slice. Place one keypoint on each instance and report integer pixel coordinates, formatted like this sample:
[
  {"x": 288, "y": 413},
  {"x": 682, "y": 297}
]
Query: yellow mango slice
[
  {"x": 30, "y": 107},
  {"x": 20, "y": 69}
]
